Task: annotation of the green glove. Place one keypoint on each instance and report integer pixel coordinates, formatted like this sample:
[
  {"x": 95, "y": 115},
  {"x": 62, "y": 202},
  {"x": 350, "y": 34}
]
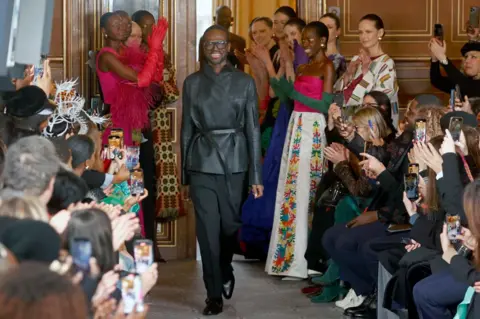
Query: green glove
[{"x": 319, "y": 105}]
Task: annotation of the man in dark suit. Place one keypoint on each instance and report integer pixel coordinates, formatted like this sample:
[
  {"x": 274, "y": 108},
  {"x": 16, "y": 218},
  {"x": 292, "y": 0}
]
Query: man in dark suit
[
  {"x": 220, "y": 143},
  {"x": 224, "y": 18}
]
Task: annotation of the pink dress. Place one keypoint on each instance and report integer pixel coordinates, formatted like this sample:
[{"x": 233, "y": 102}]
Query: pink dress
[
  {"x": 300, "y": 173},
  {"x": 129, "y": 104}
]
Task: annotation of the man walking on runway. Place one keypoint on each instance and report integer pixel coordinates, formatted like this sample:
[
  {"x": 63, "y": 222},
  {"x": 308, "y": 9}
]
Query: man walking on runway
[{"x": 220, "y": 143}]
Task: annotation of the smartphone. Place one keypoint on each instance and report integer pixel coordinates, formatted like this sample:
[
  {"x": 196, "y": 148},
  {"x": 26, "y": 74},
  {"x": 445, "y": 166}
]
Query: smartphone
[
  {"x": 474, "y": 19},
  {"x": 438, "y": 32},
  {"x": 114, "y": 147},
  {"x": 454, "y": 227},
  {"x": 452, "y": 99},
  {"x": 339, "y": 99},
  {"x": 132, "y": 294},
  {"x": 38, "y": 69},
  {"x": 413, "y": 168},
  {"x": 136, "y": 182},
  {"x": 95, "y": 103},
  {"x": 143, "y": 254},
  {"x": 458, "y": 93},
  {"x": 455, "y": 127},
  {"x": 411, "y": 186},
  {"x": 406, "y": 240},
  {"x": 119, "y": 133},
  {"x": 81, "y": 251},
  {"x": 420, "y": 131},
  {"x": 133, "y": 157}
]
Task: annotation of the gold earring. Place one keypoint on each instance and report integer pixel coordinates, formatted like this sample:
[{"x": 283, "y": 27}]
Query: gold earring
[
  {"x": 322, "y": 45},
  {"x": 379, "y": 38}
]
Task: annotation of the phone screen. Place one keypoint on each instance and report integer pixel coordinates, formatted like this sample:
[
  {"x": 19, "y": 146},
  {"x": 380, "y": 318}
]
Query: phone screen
[
  {"x": 438, "y": 32},
  {"x": 420, "y": 131},
  {"x": 453, "y": 227},
  {"x": 81, "y": 251},
  {"x": 114, "y": 146},
  {"x": 411, "y": 186},
  {"x": 413, "y": 168},
  {"x": 133, "y": 157},
  {"x": 132, "y": 294},
  {"x": 143, "y": 253},
  {"x": 455, "y": 127},
  {"x": 136, "y": 182}
]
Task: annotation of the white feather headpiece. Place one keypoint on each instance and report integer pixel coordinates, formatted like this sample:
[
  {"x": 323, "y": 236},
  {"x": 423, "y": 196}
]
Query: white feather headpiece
[{"x": 69, "y": 111}]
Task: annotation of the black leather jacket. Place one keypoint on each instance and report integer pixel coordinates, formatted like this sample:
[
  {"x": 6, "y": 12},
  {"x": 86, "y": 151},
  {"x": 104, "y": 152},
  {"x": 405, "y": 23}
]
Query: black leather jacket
[{"x": 220, "y": 129}]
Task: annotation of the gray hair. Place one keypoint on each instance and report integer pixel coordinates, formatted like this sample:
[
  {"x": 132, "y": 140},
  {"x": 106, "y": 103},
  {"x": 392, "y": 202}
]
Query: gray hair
[{"x": 30, "y": 165}]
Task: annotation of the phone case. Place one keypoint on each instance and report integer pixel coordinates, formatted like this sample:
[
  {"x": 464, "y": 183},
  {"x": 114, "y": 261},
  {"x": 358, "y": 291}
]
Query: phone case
[
  {"x": 143, "y": 253},
  {"x": 474, "y": 19}
]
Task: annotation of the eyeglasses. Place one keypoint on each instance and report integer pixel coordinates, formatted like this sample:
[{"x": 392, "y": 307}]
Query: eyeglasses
[{"x": 218, "y": 44}]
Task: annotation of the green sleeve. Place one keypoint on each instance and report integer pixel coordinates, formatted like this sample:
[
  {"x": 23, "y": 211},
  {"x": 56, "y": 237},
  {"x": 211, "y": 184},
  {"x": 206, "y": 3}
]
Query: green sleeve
[
  {"x": 319, "y": 105},
  {"x": 282, "y": 88}
]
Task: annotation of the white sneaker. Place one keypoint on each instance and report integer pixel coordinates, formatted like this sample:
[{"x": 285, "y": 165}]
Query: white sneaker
[
  {"x": 314, "y": 273},
  {"x": 351, "y": 300}
]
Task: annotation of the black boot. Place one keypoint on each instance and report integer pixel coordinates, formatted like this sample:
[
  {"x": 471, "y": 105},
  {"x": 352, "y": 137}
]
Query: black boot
[
  {"x": 366, "y": 310},
  {"x": 228, "y": 287},
  {"x": 214, "y": 307}
]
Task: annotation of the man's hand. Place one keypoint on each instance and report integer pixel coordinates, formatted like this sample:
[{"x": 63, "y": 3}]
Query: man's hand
[
  {"x": 412, "y": 246},
  {"x": 257, "y": 191},
  {"x": 45, "y": 81},
  {"x": 364, "y": 219}
]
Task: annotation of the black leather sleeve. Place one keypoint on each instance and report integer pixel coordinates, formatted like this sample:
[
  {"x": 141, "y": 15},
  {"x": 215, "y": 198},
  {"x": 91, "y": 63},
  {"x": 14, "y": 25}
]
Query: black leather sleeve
[
  {"x": 187, "y": 131},
  {"x": 252, "y": 132}
]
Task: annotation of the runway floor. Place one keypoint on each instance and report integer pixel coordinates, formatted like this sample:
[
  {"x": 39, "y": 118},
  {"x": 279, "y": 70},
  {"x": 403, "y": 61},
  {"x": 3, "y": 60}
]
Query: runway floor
[{"x": 180, "y": 294}]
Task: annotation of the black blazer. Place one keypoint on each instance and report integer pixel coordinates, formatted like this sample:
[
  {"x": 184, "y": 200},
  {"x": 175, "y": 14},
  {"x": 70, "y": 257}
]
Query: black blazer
[{"x": 220, "y": 131}]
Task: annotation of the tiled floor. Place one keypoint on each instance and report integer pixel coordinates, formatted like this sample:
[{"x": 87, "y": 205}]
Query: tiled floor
[{"x": 180, "y": 294}]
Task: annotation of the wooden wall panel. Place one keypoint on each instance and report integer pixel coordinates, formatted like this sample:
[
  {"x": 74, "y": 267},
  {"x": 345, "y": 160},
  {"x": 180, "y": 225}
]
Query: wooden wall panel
[{"x": 409, "y": 27}]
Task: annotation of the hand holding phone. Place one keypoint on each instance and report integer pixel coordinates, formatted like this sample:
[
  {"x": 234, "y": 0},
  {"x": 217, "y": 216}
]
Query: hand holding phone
[
  {"x": 132, "y": 294},
  {"x": 137, "y": 185},
  {"x": 455, "y": 127}
]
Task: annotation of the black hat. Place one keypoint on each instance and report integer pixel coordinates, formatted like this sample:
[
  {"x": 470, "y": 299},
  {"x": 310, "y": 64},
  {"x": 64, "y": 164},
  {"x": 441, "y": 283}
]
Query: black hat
[
  {"x": 428, "y": 99},
  {"x": 470, "y": 46},
  {"x": 468, "y": 119},
  {"x": 31, "y": 240},
  {"x": 28, "y": 101}
]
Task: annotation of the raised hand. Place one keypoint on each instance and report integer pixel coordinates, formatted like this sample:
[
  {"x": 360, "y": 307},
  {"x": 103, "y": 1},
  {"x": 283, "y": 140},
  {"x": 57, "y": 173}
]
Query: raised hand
[{"x": 156, "y": 38}]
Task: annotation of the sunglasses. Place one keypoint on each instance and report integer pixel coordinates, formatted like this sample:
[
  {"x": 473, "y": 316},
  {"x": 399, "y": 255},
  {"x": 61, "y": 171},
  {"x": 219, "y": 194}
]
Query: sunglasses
[{"x": 209, "y": 45}]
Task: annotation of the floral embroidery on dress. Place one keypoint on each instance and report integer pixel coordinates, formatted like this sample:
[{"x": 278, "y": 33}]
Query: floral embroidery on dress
[
  {"x": 284, "y": 254},
  {"x": 316, "y": 169}
]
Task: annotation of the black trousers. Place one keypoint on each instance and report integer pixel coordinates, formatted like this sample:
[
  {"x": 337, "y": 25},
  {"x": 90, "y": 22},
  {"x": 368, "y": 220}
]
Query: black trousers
[
  {"x": 217, "y": 211},
  {"x": 147, "y": 163}
]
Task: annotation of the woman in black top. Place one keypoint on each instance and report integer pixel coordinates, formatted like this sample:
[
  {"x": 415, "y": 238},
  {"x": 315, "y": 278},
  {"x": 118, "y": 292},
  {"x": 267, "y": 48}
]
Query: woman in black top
[{"x": 468, "y": 80}]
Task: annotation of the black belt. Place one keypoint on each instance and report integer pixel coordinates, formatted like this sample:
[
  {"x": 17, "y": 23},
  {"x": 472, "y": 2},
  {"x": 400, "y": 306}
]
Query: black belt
[{"x": 223, "y": 162}]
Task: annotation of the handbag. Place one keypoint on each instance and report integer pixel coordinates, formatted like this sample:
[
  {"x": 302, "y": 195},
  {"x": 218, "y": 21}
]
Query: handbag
[{"x": 332, "y": 195}]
